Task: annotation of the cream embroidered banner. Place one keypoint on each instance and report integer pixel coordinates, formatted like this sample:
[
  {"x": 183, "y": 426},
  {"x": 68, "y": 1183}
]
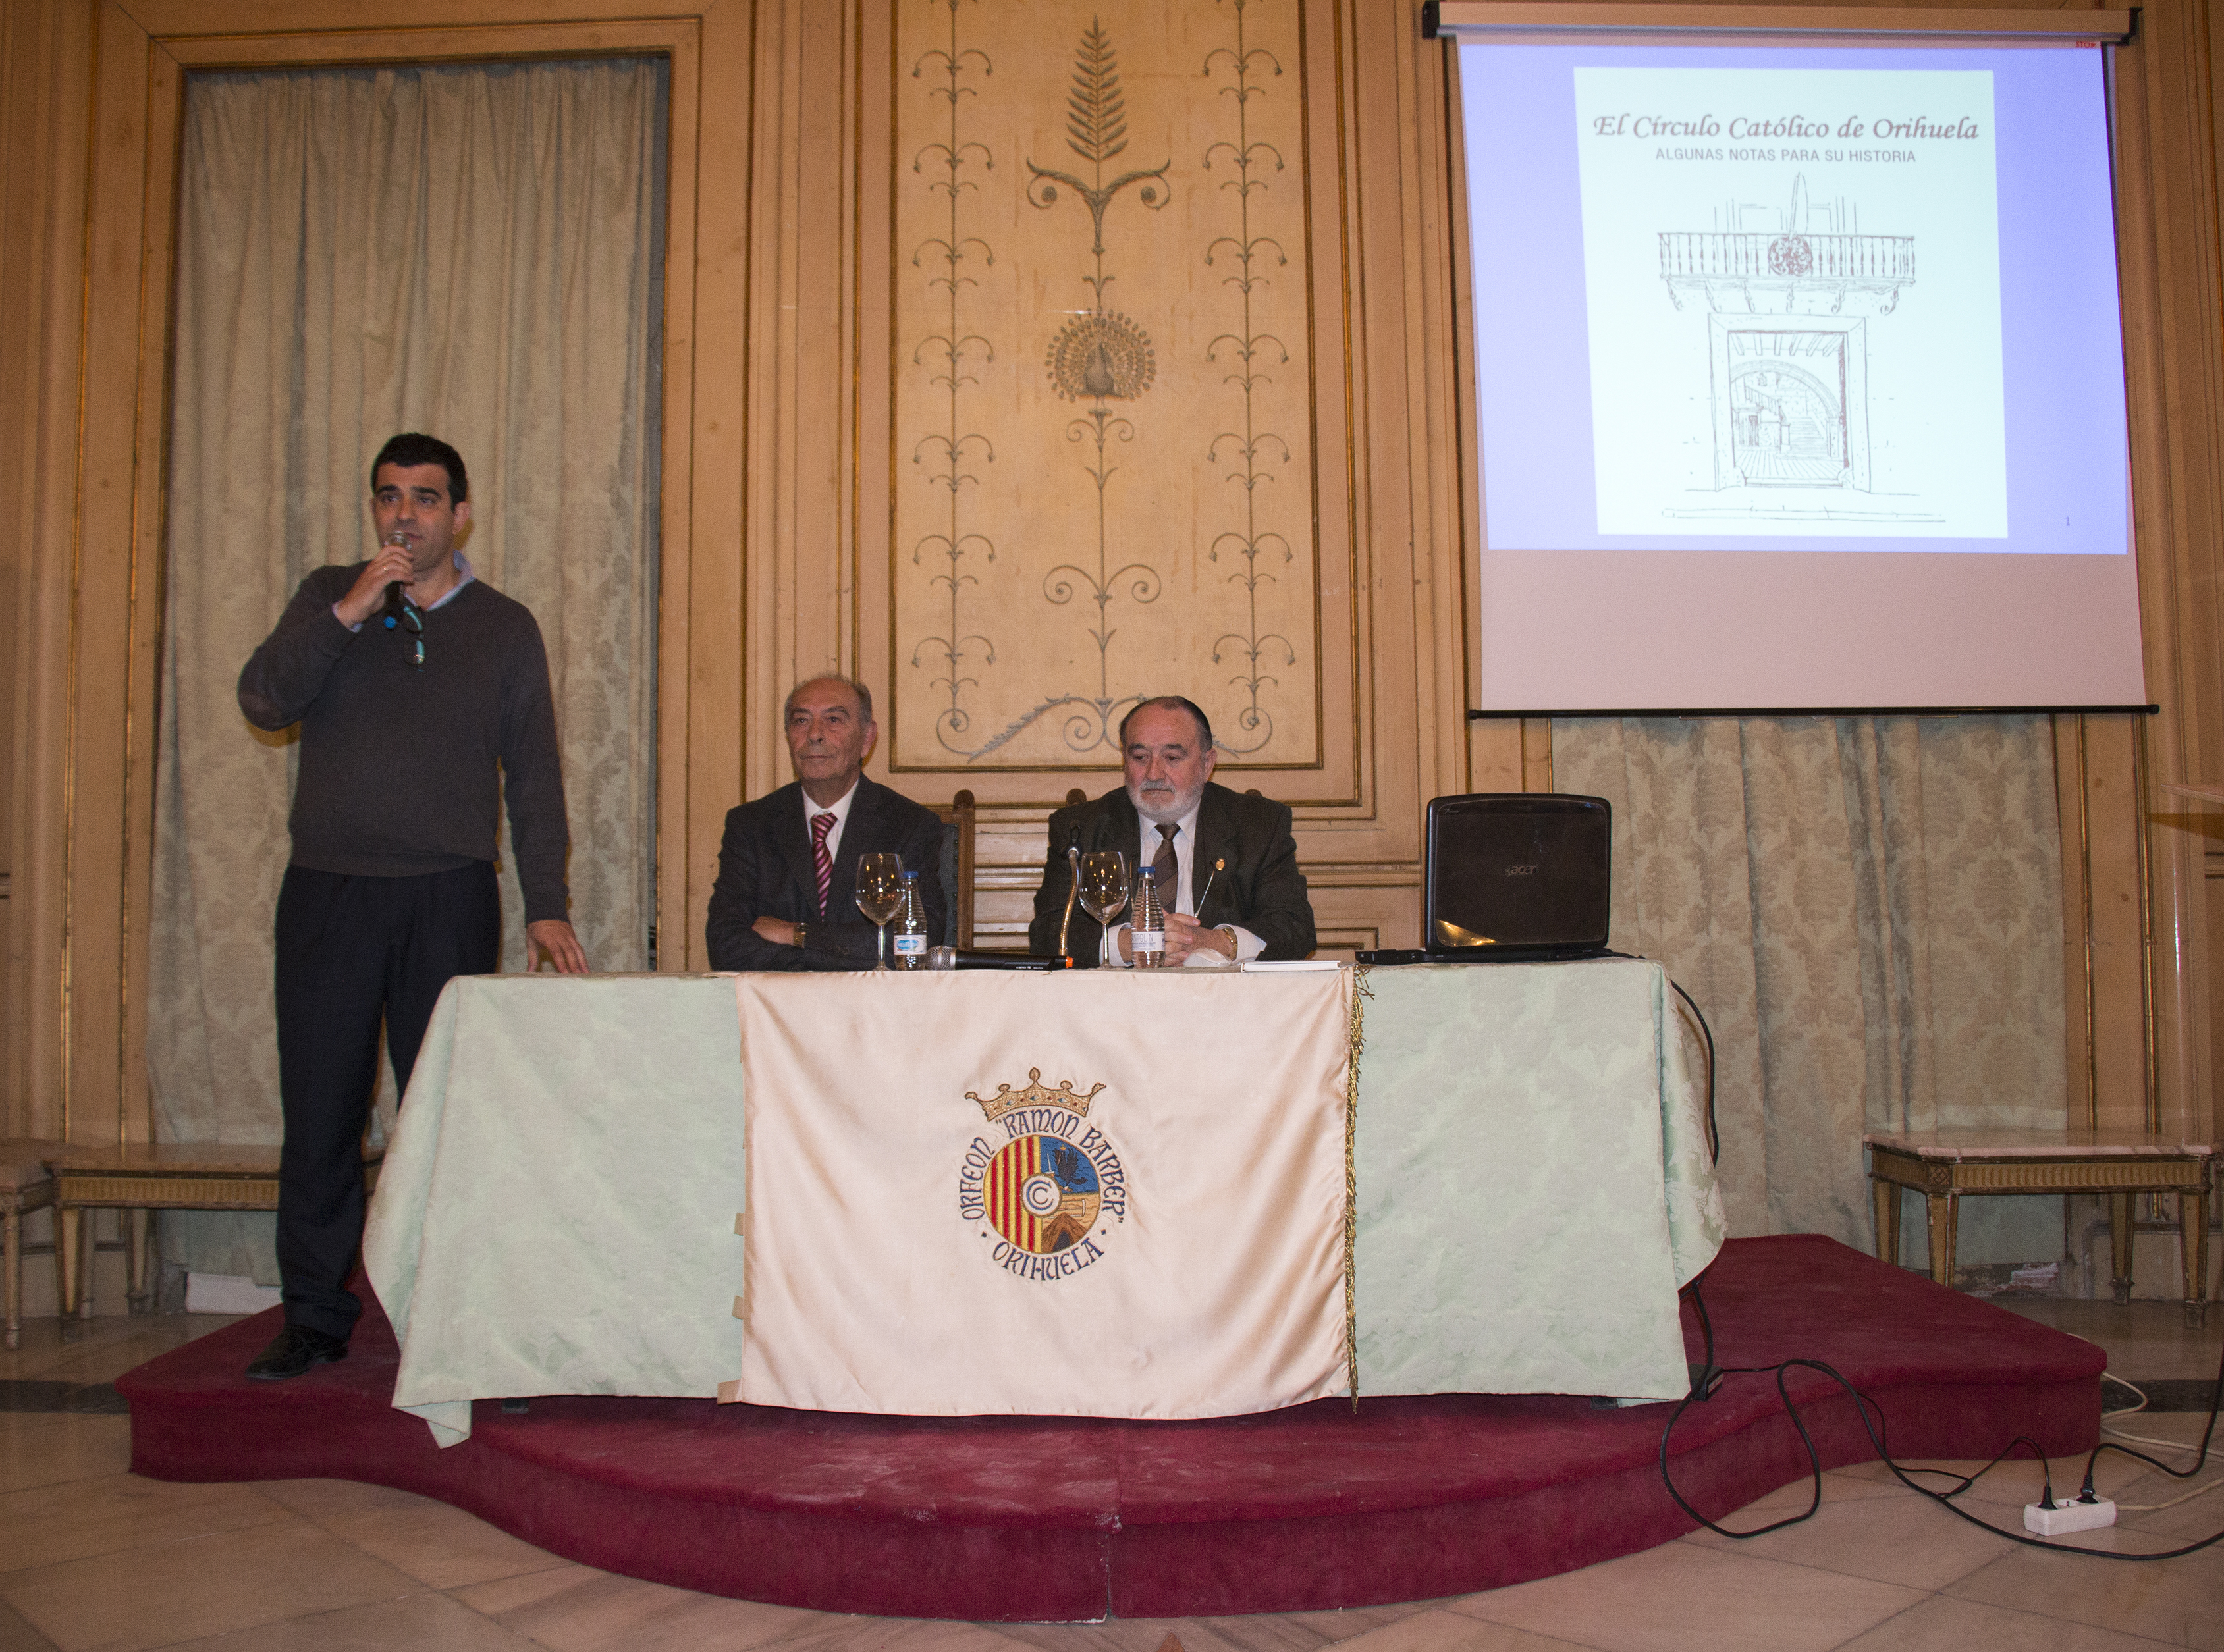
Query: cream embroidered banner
[{"x": 1111, "y": 1194}]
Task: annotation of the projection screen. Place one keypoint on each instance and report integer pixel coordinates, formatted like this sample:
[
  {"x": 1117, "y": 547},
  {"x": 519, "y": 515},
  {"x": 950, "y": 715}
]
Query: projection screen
[{"x": 1798, "y": 376}]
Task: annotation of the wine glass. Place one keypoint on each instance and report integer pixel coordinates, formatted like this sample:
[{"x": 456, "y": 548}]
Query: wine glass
[
  {"x": 880, "y": 894},
  {"x": 1103, "y": 884}
]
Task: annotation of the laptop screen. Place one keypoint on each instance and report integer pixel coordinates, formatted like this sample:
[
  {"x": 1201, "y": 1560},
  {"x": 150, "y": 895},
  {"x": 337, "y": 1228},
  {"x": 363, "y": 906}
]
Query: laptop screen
[{"x": 1529, "y": 871}]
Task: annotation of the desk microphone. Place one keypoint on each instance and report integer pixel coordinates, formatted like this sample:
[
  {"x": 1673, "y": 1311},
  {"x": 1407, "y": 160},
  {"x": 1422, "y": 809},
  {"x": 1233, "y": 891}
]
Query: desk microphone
[{"x": 1072, "y": 889}]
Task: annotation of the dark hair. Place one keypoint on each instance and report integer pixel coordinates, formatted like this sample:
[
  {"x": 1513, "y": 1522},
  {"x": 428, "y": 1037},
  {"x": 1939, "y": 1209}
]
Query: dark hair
[
  {"x": 410, "y": 449},
  {"x": 864, "y": 695},
  {"x": 1171, "y": 701}
]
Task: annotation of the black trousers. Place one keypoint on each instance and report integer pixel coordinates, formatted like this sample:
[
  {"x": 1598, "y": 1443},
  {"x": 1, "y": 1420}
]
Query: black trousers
[{"x": 353, "y": 952}]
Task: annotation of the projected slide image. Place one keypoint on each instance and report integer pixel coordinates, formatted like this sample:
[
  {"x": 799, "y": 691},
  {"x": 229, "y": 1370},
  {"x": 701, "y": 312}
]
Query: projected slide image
[{"x": 1792, "y": 296}]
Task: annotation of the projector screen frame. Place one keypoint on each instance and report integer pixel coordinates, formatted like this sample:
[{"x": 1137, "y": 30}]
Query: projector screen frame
[
  {"x": 1513, "y": 20},
  {"x": 1474, "y": 715}
]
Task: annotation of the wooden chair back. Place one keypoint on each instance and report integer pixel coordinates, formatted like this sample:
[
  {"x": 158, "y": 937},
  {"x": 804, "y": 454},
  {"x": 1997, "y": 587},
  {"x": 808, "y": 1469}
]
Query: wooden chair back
[{"x": 957, "y": 867}]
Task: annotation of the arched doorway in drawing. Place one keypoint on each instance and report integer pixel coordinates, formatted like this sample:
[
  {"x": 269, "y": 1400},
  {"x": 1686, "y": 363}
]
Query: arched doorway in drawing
[
  {"x": 1788, "y": 419},
  {"x": 1789, "y": 401}
]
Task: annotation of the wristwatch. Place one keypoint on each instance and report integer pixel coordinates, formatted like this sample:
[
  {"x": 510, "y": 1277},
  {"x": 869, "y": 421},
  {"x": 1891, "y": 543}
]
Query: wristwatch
[
  {"x": 1233, "y": 949},
  {"x": 801, "y": 930}
]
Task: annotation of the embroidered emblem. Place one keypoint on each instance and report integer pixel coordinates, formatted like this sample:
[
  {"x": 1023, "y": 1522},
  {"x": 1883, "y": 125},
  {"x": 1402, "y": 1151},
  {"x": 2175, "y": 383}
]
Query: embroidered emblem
[
  {"x": 1041, "y": 1194},
  {"x": 1038, "y": 1197}
]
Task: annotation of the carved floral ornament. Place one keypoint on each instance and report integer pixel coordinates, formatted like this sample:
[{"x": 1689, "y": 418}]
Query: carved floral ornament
[{"x": 1101, "y": 355}]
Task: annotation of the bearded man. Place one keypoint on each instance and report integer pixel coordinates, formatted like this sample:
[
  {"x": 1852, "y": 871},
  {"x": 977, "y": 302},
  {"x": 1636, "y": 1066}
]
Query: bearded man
[{"x": 1227, "y": 861}]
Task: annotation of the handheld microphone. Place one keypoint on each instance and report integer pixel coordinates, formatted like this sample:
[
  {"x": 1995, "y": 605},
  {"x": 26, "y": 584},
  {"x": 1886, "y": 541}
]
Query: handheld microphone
[{"x": 395, "y": 599}]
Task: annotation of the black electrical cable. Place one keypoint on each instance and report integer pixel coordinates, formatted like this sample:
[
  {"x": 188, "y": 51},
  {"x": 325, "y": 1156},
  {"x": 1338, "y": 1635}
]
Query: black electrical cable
[
  {"x": 1714, "y": 1138},
  {"x": 1707, "y": 1376},
  {"x": 2201, "y": 1457},
  {"x": 1714, "y": 1141},
  {"x": 1706, "y": 1324},
  {"x": 1875, "y": 1429}
]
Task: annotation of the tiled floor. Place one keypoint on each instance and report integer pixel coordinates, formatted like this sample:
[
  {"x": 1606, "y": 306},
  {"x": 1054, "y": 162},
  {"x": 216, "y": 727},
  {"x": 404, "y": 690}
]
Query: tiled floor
[{"x": 91, "y": 1556}]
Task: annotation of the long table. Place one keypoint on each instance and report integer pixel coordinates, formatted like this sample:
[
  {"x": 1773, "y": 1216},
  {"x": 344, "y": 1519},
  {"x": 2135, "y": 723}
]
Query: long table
[{"x": 558, "y": 1211}]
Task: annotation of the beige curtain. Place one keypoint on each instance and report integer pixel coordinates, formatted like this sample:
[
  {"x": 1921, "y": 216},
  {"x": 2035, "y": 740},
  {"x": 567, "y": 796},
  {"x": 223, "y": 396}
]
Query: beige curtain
[
  {"x": 471, "y": 251},
  {"x": 1869, "y": 911}
]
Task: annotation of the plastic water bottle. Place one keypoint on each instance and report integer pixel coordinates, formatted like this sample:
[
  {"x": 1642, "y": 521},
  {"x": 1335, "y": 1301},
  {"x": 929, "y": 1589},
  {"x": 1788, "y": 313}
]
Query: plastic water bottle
[
  {"x": 910, "y": 927},
  {"x": 1148, "y": 934}
]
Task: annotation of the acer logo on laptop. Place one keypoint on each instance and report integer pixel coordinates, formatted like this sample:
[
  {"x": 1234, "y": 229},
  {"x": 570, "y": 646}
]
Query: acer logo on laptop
[{"x": 1529, "y": 871}]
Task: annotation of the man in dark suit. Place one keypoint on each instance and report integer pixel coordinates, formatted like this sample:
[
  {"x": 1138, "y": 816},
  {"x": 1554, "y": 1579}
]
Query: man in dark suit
[
  {"x": 785, "y": 897},
  {"x": 1229, "y": 857}
]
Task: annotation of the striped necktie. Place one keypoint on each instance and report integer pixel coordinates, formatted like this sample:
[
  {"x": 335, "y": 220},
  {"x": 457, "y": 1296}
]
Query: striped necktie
[
  {"x": 820, "y": 825},
  {"x": 1162, "y": 867}
]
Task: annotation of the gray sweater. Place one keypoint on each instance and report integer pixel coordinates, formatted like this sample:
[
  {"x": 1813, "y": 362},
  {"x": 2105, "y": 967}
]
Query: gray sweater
[{"x": 398, "y": 764}]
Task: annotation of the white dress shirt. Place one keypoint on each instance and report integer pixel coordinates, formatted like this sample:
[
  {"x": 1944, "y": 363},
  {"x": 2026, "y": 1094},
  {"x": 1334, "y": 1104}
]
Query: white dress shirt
[{"x": 1247, "y": 945}]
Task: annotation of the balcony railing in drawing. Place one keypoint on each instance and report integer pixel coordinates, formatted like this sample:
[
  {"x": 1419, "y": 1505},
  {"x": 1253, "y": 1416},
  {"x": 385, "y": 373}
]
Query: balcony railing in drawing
[{"x": 1866, "y": 260}]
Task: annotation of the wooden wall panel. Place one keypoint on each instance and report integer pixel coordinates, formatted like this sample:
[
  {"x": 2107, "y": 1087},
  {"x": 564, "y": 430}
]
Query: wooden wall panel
[
  {"x": 1009, "y": 620},
  {"x": 1390, "y": 625},
  {"x": 2110, "y": 1030},
  {"x": 43, "y": 132},
  {"x": 98, "y": 841},
  {"x": 1110, "y": 416},
  {"x": 2168, "y": 250},
  {"x": 702, "y": 280}
]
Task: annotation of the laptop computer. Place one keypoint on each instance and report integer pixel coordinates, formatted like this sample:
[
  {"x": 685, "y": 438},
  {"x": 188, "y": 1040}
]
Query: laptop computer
[{"x": 1513, "y": 877}]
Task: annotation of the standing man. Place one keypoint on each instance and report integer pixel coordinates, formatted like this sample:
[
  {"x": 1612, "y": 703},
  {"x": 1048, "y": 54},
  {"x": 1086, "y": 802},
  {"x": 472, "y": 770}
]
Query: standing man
[
  {"x": 1227, "y": 863},
  {"x": 786, "y": 894},
  {"x": 413, "y": 681}
]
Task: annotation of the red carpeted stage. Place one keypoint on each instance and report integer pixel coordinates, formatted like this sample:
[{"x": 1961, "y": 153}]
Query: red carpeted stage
[{"x": 1017, "y": 1518}]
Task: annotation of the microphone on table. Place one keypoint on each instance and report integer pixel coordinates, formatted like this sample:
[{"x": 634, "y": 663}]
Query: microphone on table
[{"x": 1072, "y": 890}]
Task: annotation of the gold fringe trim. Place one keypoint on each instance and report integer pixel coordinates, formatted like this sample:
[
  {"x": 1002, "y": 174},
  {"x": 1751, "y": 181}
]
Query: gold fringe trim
[{"x": 1356, "y": 1040}]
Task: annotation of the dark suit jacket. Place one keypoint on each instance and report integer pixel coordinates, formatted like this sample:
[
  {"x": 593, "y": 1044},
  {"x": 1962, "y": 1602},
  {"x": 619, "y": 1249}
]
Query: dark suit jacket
[
  {"x": 765, "y": 870},
  {"x": 1261, "y": 890}
]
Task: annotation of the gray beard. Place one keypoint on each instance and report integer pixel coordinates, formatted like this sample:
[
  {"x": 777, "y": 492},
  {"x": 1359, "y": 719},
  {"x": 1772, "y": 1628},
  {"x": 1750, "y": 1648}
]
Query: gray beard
[{"x": 1166, "y": 813}]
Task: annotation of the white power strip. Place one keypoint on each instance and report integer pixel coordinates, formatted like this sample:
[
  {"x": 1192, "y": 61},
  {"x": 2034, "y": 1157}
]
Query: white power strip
[{"x": 2068, "y": 1518}]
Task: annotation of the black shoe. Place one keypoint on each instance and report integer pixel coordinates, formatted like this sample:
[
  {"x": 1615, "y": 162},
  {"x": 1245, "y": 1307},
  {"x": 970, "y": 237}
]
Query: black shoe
[{"x": 292, "y": 1352}]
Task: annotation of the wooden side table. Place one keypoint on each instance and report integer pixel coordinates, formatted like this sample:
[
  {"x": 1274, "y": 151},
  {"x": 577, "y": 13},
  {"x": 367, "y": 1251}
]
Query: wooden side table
[
  {"x": 1944, "y": 1166},
  {"x": 25, "y": 1186},
  {"x": 143, "y": 1178}
]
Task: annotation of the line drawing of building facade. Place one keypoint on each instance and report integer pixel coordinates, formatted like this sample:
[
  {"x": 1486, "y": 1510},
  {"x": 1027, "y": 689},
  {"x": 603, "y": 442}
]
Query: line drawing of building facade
[{"x": 1788, "y": 312}]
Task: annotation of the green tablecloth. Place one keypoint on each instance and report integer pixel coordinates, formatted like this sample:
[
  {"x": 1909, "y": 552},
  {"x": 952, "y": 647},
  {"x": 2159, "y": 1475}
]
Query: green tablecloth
[{"x": 556, "y": 1214}]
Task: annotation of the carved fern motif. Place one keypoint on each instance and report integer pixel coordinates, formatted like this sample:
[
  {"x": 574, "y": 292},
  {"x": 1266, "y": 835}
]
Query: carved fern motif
[{"x": 1096, "y": 118}]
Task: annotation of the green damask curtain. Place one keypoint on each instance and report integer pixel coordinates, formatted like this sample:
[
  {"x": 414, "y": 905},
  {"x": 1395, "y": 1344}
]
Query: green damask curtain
[
  {"x": 1869, "y": 910},
  {"x": 473, "y": 251}
]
